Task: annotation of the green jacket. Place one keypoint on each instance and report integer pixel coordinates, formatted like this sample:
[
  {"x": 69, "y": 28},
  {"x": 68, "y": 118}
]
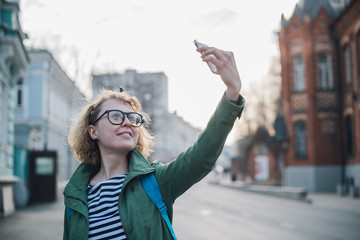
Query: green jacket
[{"x": 140, "y": 217}]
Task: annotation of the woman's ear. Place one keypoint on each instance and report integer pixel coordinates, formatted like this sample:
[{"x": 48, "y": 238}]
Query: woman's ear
[{"x": 92, "y": 132}]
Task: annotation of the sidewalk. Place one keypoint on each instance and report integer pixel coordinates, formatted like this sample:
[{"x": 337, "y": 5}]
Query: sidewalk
[
  {"x": 325, "y": 200},
  {"x": 41, "y": 221},
  {"x": 334, "y": 201}
]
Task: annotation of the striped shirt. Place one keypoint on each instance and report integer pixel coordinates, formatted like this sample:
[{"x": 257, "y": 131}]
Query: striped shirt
[{"x": 104, "y": 217}]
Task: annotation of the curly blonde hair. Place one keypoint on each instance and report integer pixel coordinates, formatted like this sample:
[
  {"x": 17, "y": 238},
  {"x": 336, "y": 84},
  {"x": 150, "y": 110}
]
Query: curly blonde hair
[{"x": 85, "y": 148}]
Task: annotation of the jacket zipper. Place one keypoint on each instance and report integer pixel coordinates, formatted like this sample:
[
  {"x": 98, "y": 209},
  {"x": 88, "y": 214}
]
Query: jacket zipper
[
  {"x": 120, "y": 194},
  {"x": 121, "y": 216}
]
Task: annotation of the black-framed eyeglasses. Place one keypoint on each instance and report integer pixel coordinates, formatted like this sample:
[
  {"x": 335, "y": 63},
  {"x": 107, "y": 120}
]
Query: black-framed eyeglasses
[{"x": 117, "y": 117}]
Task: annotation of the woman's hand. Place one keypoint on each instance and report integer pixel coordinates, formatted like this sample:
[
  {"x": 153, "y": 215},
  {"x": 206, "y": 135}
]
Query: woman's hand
[{"x": 226, "y": 67}]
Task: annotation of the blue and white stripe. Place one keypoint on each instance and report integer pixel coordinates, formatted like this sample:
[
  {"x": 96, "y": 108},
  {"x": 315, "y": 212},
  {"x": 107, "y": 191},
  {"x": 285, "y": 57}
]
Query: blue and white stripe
[{"x": 104, "y": 217}]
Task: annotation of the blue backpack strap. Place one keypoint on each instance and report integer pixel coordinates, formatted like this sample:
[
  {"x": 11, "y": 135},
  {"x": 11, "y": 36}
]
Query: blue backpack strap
[
  {"x": 152, "y": 189},
  {"x": 69, "y": 212}
]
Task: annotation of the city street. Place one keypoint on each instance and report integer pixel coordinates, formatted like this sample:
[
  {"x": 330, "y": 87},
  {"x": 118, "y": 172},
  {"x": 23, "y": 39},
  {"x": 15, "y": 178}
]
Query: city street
[{"x": 214, "y": 212}]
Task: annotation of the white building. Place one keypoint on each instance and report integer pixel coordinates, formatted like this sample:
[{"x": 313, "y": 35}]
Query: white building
[
  {"x": 13, "y": 63},
  {"x": 47, "y": 100}
]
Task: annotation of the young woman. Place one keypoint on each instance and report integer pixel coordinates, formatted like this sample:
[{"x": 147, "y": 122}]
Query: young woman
[{"x": 105, "y": 198}]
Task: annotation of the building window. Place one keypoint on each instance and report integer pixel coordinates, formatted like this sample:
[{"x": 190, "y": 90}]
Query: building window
[
  {"x": 299, "y": 74},
  {"x": 300, "y": 139},
  {"x": 347, "y": 65},
  {"x": 19, "y": 93},
  {"x": 261, "y": 149},
  {"x": 349, "y": 136},
  {"x": 324, "y": 71}
]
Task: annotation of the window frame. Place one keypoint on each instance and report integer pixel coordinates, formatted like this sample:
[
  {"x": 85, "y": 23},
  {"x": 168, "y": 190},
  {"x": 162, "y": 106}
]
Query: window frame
[
  {"x": 19, "y": 93},
  {"x": 324, "y": 73},
  {"x": 347, "y": 64},
  {"x": 299, "y": 74},
  {"x": 300, "y": 139}
]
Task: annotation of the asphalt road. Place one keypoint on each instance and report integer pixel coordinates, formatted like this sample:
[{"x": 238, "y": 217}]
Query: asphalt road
[{"x": 213, "y": 212}]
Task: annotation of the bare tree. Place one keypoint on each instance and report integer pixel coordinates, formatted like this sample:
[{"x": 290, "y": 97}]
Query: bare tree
[{"x": 262, "y": 98}]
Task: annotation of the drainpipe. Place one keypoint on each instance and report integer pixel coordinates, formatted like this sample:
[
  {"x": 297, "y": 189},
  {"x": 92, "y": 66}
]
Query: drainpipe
[{"x": 340, "y": 95}]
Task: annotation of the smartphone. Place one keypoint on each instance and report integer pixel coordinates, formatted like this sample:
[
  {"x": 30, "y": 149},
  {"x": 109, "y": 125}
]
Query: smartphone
[{"x": 211, "y": 65}]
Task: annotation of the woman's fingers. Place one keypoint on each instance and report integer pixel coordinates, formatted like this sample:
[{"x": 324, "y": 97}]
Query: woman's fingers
[
  {"x": 221, "y": 59},
  {"x": 226, "y": 67}
]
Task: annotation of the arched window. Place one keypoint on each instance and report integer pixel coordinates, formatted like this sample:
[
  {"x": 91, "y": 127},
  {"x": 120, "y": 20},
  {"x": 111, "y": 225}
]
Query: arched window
[
  {"x": 299, "y": 74},
  {"x": 300, "y": 139}
]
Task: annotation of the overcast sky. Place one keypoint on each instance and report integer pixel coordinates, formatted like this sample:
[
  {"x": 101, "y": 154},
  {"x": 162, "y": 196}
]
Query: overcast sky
[{"x": 110, "y": 36}]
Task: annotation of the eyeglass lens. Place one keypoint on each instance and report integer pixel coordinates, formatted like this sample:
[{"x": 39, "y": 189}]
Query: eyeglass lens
[{"x": 118, "y": 117}]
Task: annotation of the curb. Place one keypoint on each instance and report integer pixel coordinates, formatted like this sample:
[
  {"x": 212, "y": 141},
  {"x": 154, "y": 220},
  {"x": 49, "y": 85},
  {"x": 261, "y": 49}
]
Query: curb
[{"x": 293, "y": 193}]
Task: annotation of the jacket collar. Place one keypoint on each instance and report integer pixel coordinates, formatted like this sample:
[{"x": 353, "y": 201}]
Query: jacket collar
[
  {"x": 138, "y": 164},
  {"x": 77, "y": 186}
]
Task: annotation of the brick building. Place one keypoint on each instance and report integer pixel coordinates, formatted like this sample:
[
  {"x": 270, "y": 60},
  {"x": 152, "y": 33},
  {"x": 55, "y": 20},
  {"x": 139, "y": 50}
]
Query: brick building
[
  {"x": 259, "y": 157},
  {"x": 264, "y": 155},
  {"x": 320, "y": 59}
]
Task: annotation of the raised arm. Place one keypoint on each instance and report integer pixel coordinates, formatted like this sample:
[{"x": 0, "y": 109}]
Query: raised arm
[{"x": 198, "y": 160}]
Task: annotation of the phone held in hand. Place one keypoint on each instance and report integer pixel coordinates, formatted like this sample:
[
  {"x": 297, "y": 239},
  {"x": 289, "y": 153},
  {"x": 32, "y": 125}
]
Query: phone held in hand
[{"x": 211, "y": 65}]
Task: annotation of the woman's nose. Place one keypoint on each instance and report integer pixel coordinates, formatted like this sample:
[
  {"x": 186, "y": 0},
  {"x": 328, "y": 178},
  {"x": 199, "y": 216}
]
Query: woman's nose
[{"x": 126, "y": 122}]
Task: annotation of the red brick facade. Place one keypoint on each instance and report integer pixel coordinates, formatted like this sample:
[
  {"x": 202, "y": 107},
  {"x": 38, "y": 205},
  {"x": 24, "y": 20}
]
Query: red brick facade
[
  {"x": 263, "y": 166},
  {"x": 322, "y": 113},
  {"x": 347, "y": 33}
]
